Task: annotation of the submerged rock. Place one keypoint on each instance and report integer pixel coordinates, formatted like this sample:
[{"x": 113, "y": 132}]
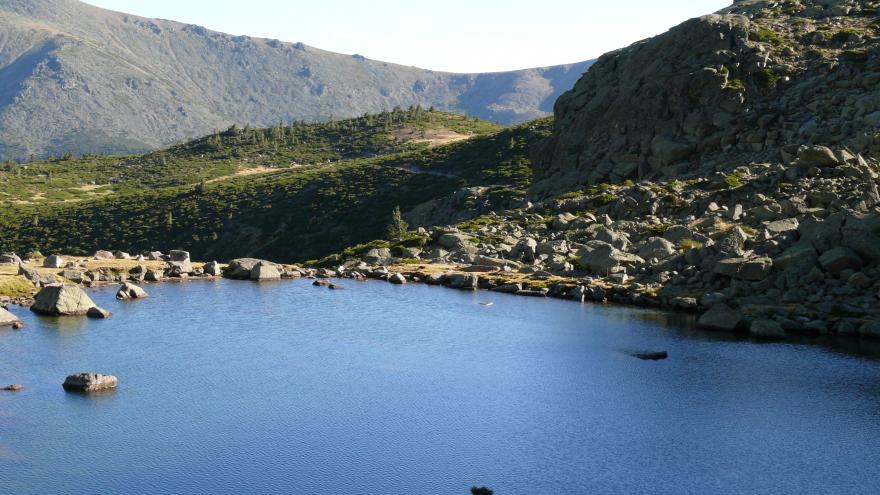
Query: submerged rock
[
  {"x": 89, "y": 382},
  {"x": 767, "y": 330},
  {"x": 98, "y": 313},
  {"x": 13, "y": 388},
  {"x": 652, "y": 356},
  {"x": 62, "y": 300}
]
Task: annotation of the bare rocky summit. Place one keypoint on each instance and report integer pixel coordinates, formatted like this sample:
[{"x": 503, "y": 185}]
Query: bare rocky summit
[{"x": 76, "y": 78}]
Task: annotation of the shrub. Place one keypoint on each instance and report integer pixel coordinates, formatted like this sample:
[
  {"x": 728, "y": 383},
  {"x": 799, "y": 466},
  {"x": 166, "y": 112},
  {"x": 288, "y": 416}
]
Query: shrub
[{"x": 690, "y": 244}]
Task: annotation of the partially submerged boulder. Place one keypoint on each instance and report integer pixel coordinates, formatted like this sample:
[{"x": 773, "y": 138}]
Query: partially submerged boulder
[
  {"x": 89, "y": 382},
  {"x": 62, "y": 300},
  {"x": 131, "y": 291},
  {"x": 8, "y": 319}
]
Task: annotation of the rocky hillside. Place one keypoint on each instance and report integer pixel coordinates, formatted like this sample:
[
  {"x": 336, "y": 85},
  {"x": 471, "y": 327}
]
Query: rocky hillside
[
  {"x": 749, "y": 84},
  {"x": 76, "y": 78}
]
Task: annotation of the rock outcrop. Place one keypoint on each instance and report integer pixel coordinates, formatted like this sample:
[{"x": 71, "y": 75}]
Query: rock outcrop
[{"x": 757, "y": 82}]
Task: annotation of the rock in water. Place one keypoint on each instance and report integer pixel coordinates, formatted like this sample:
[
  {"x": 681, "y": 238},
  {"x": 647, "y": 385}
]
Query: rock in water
[
  {"x": 8, "y": 319},
  {"x": 62, "y": 300},
  {"x": 89, "y": 382},
  {"x": 767, "y": 330},
  {"x": 131, "y": 291},
  {"x": 397, "y": 279},
  {"x": 98, "y": 313},
  {"x": 13, "y": 388},
  {"x": 652, "y": 356}
]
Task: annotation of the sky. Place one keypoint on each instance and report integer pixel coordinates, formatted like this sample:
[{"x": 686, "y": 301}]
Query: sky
[{"x": 447, "y": 35}]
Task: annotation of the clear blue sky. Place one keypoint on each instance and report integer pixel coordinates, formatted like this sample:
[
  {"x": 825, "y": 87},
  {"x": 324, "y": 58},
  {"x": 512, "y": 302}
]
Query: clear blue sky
[{"x": 451, "y": 35}]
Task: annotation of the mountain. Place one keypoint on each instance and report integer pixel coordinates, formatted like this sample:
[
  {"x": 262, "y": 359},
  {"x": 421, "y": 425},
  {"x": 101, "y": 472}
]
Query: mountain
[{"x": 77, "y": 78}]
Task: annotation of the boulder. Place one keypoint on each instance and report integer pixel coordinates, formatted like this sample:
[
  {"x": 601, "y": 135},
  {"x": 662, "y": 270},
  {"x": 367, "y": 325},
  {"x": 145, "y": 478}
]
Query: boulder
[
  {"x": 212, "y": 269},
  {"x": 465, "y": 281},
  {"x": 454, "y": 241},
  {"x": 817, "y": 156},
  {"x": 122, "y": 255},
  {"x": 781, "y": 226},
  {"x": 616, "y": 239},
  {"x": 74, "y": 275},
  {"x": 9, "y": 259},
  {"x": 397, "y": 279},
  {"x": 8, "y": 319},
  {"x": 98, "y": 313},
  {"x": 265, "y": 271},
  {"x": 552, "y": 247},
  {"x": 89, "y": 382},
  {"x": 240, "y": 269},
  {"x": 656, "y": 247},
  {"x": 751, "y": 270},
  {"x": 766, "y": 329},
  {"x": 721, "y": 317},
  {"x": 525, "y": 249},
  {"x": 53, "y": 261},
  {"x": 600, "y": 257},
  {"x": 104, "y": 255},
  {"x": 29, "y": 273},
  {"x": 131, "y": 291},
  {"x": 377, "y": 256},
  {"x": 177, "y": 255},
  {"x": 799, "y": 258},
  {"x": 839, "y": 259},
  {"x": 156, "y": 256},
  {"x": 62, "y": 300}
]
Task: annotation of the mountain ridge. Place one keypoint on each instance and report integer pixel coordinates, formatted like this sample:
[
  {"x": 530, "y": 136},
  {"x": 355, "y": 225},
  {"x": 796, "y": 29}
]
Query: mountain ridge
[{"x": 74, "y": 75}]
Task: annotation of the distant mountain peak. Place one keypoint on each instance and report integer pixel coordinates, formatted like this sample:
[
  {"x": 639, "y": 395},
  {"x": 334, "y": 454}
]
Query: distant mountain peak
[{"x": 78, "y": 78}]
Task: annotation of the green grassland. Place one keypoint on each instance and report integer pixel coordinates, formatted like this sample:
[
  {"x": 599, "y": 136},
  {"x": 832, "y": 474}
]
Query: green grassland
[{"x": 349, "y": 177}]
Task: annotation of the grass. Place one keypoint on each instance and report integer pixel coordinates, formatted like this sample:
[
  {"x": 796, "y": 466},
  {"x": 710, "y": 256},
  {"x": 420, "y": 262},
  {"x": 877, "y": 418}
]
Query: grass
[
  {"x": 687, "y": 244},
  {"x": 15, "y": 286},
  {"x": 733, "y": 180},
  {"x": 768, "y": 36}
]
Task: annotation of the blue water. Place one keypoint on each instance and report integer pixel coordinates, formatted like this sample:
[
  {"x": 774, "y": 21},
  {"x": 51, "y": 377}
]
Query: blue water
[{"x": 233, "y": 387}]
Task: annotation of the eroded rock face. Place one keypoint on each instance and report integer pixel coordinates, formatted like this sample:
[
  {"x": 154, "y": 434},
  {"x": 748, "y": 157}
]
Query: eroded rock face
[
  {"x": 90, "y": 382},
  {"x": 62, "y": 300}
]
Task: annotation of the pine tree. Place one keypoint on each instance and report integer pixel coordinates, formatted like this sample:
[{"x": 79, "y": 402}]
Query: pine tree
[{"x": 398, "y": 227}]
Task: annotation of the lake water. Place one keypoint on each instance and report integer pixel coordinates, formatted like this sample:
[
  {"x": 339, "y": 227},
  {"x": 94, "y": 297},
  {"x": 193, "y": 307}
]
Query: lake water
[{"x": 233, "y": 388}]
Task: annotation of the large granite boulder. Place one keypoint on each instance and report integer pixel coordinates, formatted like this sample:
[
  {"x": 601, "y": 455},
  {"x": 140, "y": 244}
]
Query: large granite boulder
[
  {"x": 131, "y": 291},
  {"x": 767, "y": 330},
  {"x": 465, "y": 281},
  {"x": 840, "y": 259},
  {"x": 752, "y": 270},
  {"x": 90, "y": 382},
  {"x": 62, "y": 300},
  {"x": 9, "y": 259}
]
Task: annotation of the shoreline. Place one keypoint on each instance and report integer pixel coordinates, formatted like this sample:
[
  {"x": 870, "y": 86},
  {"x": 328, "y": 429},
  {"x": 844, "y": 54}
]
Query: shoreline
[{"x": 448, "y": 275}]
